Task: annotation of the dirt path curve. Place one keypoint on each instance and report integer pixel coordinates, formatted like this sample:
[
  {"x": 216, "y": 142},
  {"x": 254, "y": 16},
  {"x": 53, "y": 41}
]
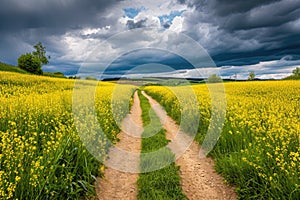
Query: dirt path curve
[
  {"x": 199, "y": 179},
  {"x": 117, "y": 184}
]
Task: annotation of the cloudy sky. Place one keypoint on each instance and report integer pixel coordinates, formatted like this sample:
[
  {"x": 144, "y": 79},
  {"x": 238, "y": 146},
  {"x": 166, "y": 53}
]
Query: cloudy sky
[{"x": 119, "y": 35}]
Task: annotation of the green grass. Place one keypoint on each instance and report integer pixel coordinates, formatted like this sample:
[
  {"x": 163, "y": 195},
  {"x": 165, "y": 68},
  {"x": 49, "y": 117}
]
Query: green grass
[
  {"x": 259, "y": 142},
  {"x": 11, "y": 68},
  {"x": 54, "y": 74},
  {"x": 42, "y": 155},
  {"x": 292, "y": 77},
  {"x": 165, "y": 182}
]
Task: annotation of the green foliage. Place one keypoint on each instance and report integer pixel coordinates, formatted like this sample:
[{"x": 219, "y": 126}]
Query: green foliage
[
  {"x": 91, "y": 78},
  {"x": 55, "y": 74},
  {"x": 40, "y": 53},
  {"x": 165, "y": 182},
  {"x": 296, "y": 71},
  {"x": 11, "y": 68},
  {"x": 214, "y": 78},
  {"x": 74, "y": 77},
  {"x": 251, "y": 76},
  {"x": 30, "y": 63},
  {"x": 295, "y": 76},
  {"x": 174, "y": 82},
  {"x": 292, "y": 77}
]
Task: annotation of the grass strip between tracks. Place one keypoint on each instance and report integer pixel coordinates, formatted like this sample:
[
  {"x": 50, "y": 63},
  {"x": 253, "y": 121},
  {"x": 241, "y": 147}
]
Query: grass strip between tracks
[{"x": 163, "y": 183}]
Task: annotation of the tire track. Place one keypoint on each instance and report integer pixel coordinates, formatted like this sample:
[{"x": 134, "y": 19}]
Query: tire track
[
  {"x": 199, "y": 179},
  {"x": 117, "y": 184}
]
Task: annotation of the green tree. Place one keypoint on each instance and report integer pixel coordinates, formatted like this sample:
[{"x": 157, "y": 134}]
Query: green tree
[
  {"x": 295, "y": 75},
  {"x": 296, "y": 71},
  {"x": 91, "y": 78},
  {"x": 251, "y": 76},
  {"x": 30, "y": 63},
  {"x": 40, "y": 53},
  {"x": 214, "y": 78}
]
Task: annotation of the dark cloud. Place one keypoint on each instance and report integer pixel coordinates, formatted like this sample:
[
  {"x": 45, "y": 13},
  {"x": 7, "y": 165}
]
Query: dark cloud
[
  {"x": 15, "y": 14},
  {"x": 244, "y": 32},
  {"x": 139, "y": 24},
  {"x": 166, "y": 25},
  {"x": 24, "y": 23},
  {"x": 229, "y": 7},
  {"x": 66, "y": 69},
  {"x": 234, "y": 32},
  {"x": 181, "y": 1},
  {"x": 152, "y": 56},
  {"x": 272, "y": 15}
]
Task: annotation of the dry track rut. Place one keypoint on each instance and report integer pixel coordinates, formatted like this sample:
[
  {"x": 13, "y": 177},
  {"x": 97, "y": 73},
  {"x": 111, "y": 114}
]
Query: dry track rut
[
  {"x": 117, "y": 184},
  {"x": 199, "y": 179}
]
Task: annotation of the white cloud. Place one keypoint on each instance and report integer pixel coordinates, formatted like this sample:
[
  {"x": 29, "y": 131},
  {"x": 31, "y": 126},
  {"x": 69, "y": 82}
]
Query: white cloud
[
  {"x": 276, "y": 69},
  {"x": 263, "y": 70},
  {"x": 154, "y": 7},
  {"x": 177, "y": 24},
  {"x": 77, "y": 45},
  {"x": 90, "y": 31}
]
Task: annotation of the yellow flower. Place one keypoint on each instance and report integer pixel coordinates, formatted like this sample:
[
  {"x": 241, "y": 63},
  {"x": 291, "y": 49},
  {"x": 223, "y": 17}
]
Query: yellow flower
[{"x": 18, "y": 178}]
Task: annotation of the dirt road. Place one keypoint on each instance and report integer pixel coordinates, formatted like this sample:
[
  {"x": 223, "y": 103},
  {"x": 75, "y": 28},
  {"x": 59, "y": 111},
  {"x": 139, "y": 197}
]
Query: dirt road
[
  {"x": 199, "y": 179},
  {"x": 117, "y": 184}
]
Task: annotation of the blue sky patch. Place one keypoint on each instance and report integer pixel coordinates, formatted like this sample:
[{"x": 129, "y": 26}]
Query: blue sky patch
[
  {"x": 132, "y": 12},
  {"x": 169, "y": 18}
]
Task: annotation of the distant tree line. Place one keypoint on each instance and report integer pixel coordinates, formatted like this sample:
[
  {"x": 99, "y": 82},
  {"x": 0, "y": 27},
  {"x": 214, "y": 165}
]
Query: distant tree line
[
  {"x": 217, "y": 79},
  {"x": 214, "y": 78},
  {"x": 295, "y": 75}
]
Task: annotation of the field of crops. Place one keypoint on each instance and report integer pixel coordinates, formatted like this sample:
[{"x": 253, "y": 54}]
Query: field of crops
[
  {"x": 258, "y": 150},
  {"x": 41, "y": 154}
]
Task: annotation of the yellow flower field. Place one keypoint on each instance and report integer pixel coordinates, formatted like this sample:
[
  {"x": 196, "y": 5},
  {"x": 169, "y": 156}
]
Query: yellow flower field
[
  {"x": 41, "y": 154},
  {"x": 259, "y": 146}
]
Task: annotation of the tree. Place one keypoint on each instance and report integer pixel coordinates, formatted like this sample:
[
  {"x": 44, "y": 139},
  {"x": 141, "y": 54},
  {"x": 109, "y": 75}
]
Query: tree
[
  {"x": 90, "y": 78},
  {"x": 251, "y": 76},
  {"x": 214, "y": 79},
  {"x": 30, "y": 63},
  {"x": 295, "y": 75},
  {"x": 40, "y": 53},
  {"x": 58, "y": 74},
  {"x": 296, "y": 71}
]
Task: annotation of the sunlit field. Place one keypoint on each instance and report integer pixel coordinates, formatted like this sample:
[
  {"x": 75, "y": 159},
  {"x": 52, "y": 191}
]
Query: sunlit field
[
  {"x": 258, "y": 150},
  {"x": 41, "y": 154}
]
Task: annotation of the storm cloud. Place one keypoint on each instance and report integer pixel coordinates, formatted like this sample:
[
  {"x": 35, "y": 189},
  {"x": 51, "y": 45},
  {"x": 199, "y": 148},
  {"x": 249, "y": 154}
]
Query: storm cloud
[
  {"x": 238, "y": 35},
  {"x": 55, "y": 15},
  {"x": 132, "y": 25},
  {"x": 245, "y": 32}
]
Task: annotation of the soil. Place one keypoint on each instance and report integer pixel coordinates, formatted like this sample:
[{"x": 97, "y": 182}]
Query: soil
[
  {"x": 198, "y": 177},
  {"x": 199, "y": 180},
  {"x": 117, "y": 184}
]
